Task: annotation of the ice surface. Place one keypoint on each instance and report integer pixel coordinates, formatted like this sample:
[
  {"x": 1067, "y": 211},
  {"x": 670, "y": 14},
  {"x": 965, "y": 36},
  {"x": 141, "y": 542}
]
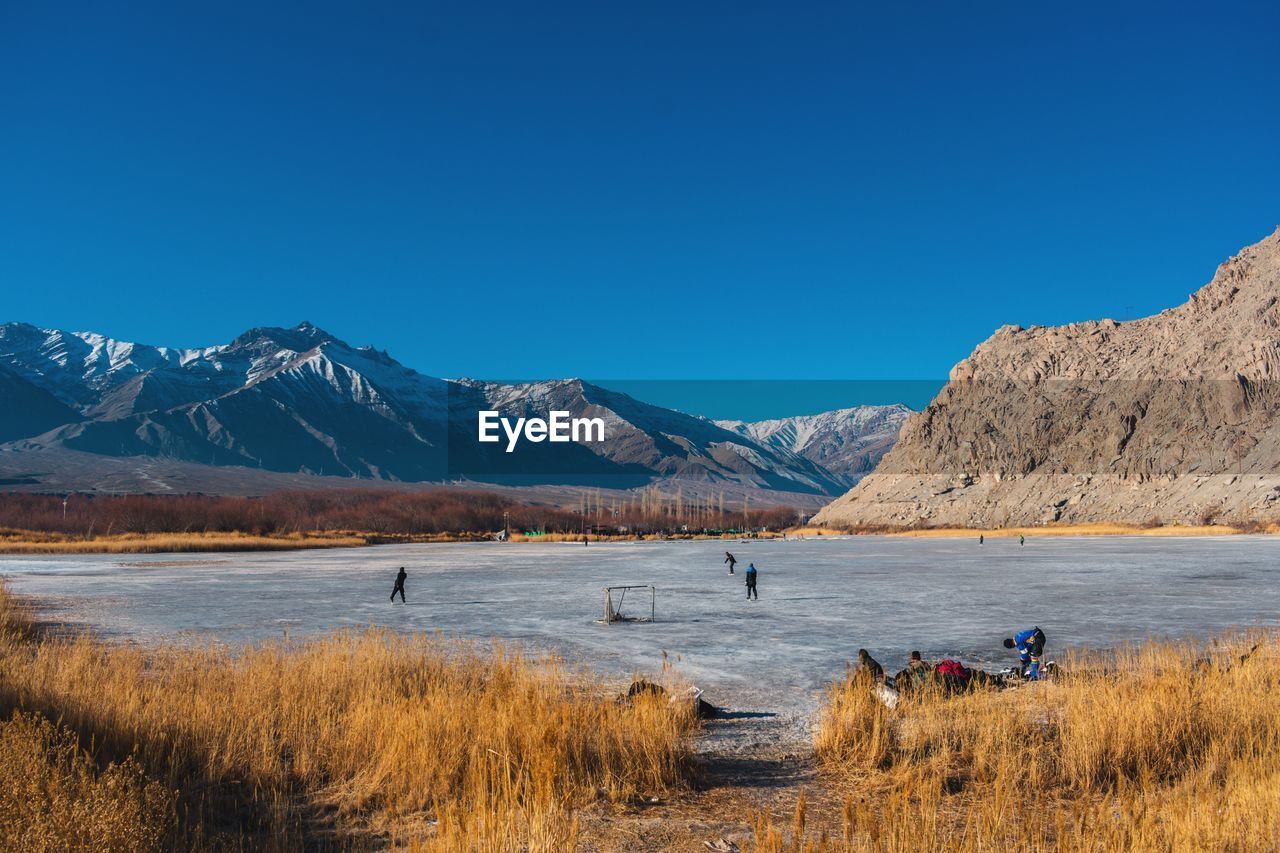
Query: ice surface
[{"x": 820, "y": 600}]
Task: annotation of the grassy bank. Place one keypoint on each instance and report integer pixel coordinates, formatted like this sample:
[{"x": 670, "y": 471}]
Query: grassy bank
[
  {"x": 1098, "y": 528},
  {"x": 646, "y": 537},
  {"x": 354, "y": 740},
  {"x": 374, "y": 739},
  {"x": 1150, "y": 749},
  {"x": 37, "y": 542},
  {"x": 34, "y": 542},
  {"x": 1088, "y": 529}
]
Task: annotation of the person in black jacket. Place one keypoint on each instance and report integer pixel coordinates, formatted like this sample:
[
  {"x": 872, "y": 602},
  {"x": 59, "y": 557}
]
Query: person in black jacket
[
  {"x": 871, "y": 666},
  {"x": 399, "y": 587},
  {"x": 730, "y": 559}
]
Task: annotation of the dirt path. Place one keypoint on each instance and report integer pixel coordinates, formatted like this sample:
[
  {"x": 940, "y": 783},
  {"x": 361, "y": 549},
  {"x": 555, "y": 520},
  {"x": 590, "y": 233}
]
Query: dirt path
[{"x": 754, "y": 764}]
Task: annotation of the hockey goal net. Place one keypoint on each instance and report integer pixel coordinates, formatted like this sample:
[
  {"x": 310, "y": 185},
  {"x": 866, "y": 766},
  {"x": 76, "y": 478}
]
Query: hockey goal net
[{"x": 629, "y": 603}]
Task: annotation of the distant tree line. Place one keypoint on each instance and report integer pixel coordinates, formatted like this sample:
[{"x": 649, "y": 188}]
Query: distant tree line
[{"x": 429, "y": 511}]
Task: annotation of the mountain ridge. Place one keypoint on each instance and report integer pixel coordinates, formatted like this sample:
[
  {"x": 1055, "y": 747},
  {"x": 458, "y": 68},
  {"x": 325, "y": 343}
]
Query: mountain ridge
[
  {"x": 851, "y": 441},
  {"x": 300, "y": 400}
]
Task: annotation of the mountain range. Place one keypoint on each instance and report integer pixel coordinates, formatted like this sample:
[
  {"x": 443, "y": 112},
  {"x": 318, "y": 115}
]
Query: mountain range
[{"x": 299, "y": 401}]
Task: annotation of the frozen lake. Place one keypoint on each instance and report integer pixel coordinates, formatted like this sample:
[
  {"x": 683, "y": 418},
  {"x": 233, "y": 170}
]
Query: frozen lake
[{"x": 820, "y": 600}]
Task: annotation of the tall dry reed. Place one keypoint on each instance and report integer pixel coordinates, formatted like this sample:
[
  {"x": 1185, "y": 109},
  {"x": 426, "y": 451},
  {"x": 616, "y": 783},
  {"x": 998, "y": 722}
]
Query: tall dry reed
[
  {"x": 353, "y": 737},
  {"x": 28, "y": 542},
  {"x": 1155, "y": 748},
  {"x": 53, "y": 797}
]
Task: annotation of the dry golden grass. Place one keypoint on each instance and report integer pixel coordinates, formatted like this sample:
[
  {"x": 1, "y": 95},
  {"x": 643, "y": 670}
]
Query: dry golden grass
[
  {"x": 30, "y": 542},
  {"x": 1150, "y": 749},
  {"x": 576, "y": 538},
  {"x": 814, "y": 531},
  {"x": 353, "y": 739},
  {"x": 14, "y": 541},
  {"x": 53, "y": 797},
  {"x": 1090, "y": 529}
]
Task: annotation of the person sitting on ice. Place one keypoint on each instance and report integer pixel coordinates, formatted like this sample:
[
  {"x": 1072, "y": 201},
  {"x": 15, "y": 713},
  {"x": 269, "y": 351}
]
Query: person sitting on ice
[
  {"x": 917, "y": 674},
  {"x": 870, "y": 666},
  {"x": 1030, "y": 646}
]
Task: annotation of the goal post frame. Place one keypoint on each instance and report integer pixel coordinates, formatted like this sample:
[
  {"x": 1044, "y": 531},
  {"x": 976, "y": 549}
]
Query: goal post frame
[{"x": 613, "y": 610}]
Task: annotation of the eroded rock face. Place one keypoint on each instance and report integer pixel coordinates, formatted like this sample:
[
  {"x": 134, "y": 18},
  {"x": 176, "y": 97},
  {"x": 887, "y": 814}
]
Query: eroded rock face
[{"x": 1171, "y": 417}]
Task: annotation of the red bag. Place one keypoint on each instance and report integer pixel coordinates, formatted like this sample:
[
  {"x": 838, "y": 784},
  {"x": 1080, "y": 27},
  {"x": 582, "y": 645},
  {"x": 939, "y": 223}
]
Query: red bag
[{"x": 952, "y": 667}]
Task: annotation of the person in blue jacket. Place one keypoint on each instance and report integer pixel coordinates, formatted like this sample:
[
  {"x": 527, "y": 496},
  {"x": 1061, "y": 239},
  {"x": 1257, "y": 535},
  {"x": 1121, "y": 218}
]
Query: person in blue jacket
[
  {"x": 1030, "y": 646},
  {"x": 751, "y": 581}
]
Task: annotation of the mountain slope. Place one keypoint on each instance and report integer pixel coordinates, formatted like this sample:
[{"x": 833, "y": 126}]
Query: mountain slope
[
  {"x": 672, "y": 444},
  {"x": 300, "y": 401},
  {"x": 1171, "y": 417},
  {"x": 28, "y": 409},
  {"x": 79, "y": 367},
  {"x": 848, "y": 443},
  {"x": 278, "y": 399}
]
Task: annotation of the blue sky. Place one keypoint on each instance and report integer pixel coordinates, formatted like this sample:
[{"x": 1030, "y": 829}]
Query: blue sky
[{"x": 637, "y": 191}]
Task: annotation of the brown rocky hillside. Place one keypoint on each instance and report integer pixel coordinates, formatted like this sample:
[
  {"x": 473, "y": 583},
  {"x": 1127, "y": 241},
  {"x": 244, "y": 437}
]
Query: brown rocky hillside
[{"x": 1171, "y": 417}]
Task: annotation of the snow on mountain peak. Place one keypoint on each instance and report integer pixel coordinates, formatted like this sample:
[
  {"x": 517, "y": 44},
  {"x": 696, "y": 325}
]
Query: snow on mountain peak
[
  {"x": 300, "y": 338},
  {"x": 847, "y": 441},
  {"x": 300, "y": 399}
]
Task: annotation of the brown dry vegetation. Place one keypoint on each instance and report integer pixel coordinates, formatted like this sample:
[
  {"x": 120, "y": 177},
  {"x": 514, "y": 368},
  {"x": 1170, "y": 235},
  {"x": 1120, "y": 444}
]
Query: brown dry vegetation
[
  {"x": 805, "y": 530},
  {"x": 35, "y": 524},
  {"x": 357, "y": 739},
  {"x": 648, "y": 537},
  {"x": 1087, "y": 529},
  {"x": 1150, "y": 749},
  {"x": 54, "y": 797},
  {"x": 380, "y": 513},
  {"x": 34, "y": 542},
  {"x": 1154, "y": 527}
]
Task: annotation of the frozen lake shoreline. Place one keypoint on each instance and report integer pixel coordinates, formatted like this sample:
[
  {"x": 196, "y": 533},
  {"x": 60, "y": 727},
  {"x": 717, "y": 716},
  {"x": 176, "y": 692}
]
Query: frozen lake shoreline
[{"x": 820, "y": 599}]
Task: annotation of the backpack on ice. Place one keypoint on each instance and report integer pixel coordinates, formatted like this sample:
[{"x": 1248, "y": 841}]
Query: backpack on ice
[{"x": 952, "y": 668}]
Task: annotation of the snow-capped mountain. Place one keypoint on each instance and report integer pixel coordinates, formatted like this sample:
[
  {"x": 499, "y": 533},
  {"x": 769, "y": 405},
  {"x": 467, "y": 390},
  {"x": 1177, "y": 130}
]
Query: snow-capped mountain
[
  {"x": 672, "y": 444},
  {"x": 847, "y": 442},
  {"x": 279, "y": 399},
  {"x": 76, "y": 367},
  {"x": 300, "y": 400}
]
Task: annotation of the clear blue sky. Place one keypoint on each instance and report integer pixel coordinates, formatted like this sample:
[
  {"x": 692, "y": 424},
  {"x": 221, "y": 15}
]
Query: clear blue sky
[{"x": 643, "y": 190}]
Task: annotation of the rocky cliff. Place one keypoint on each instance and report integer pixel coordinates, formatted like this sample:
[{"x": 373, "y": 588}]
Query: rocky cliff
[{"x": 1170, "y": 418}]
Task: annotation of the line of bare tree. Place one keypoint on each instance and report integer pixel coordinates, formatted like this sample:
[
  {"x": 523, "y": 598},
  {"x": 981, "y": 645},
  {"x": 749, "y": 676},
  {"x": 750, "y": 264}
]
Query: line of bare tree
[{"x": 419, "y": 512}]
